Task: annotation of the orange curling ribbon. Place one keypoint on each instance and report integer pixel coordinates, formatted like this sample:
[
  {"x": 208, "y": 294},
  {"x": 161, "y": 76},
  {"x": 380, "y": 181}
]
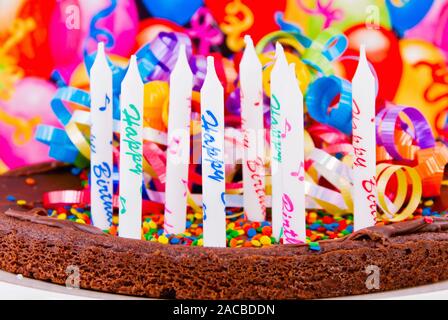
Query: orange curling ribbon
[
  {"x": 431, "y": 166},
  {"x": 239, "y": 18},
  {"x": 398, "y": 209}
]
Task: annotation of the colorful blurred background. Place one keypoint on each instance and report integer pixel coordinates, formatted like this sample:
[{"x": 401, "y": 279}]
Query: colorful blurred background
[{"x": 46, "y": 45}]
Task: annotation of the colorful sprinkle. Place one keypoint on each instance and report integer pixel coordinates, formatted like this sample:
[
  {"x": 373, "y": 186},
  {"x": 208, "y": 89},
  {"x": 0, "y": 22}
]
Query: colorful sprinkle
[{"x": 30, "y": 181}]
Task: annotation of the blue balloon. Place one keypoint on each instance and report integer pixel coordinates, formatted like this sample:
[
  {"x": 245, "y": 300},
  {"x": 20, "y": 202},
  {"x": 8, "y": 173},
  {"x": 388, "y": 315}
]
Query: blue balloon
[
  {"x": 178, "y": 11},
  {"x": 408, "y": 14}
]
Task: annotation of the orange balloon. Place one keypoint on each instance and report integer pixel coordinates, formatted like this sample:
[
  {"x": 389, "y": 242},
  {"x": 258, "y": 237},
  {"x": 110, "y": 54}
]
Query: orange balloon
[
  {"x": 156, "y": 98},
  {"x": 424, "y": 83}
]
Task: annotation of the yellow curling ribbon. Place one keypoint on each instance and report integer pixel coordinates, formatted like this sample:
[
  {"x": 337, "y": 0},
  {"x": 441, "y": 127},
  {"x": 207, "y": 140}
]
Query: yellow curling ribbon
[
  {"x": 23, "y": 129},
  {"x": 406, "y": 176},
  {"x": 283, "y": 37},
  {"x": 336, "y": 172},
  {"x": 238, "y": 19}
]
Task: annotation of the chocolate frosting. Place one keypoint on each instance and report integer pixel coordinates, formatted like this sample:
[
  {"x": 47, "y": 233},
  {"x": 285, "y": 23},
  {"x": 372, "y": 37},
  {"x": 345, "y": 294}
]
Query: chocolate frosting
[
  {"x": 39, "y": 216},
  {"x": 438, "y": 224},
  {"x": 35, "y": 169}
]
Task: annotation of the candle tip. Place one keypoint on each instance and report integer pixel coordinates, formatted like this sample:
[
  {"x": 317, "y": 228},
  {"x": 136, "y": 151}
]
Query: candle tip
[
  {"x": 182, "y": 54},
  {"x": 133, "y": 60},
  {"x": 100, "y": 47},
  {"x": 278, "y": 49},
  {"x": 210, "y": 63},
  {"x": 248, "y": 40},
  {"x": 362, "y": 51}
]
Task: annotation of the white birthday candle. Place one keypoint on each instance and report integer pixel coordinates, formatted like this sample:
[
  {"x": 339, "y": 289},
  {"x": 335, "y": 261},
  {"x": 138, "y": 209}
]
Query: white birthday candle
[
  {"x": 101, "y": 165},
  {"x": 293, "y": 171},
  {"x": 213, "y": 166},
  {"x": 253, "y": 132},
  {"x": 178, "y": 152},
  {"x": 278, "y": 98},
  {"x": 364, "y": 145},
  {"x": 131, "y": 149}
]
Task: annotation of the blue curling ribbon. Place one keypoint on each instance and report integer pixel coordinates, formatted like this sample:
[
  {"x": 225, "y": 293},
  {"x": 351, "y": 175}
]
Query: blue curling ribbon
[
  {"x": 284, "y": 25},
  {"x": 95, "y": 32},
  {"x": 327, "y": 47},
  {"x": 147, "y": 62},
  {"x": 319, "y": 97},
  {"x": 49, "y": 135},
  {"x": 335, "y": 47},
  {"x": 61, "y": 148},
  {"x": 68, "y": 95}
]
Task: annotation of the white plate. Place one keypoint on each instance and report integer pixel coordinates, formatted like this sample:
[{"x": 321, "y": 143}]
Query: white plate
[{"x": 17, "y": 287}]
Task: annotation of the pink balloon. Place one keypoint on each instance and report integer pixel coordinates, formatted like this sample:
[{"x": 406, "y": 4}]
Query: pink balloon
[
  {"x": 70, "y": 26},
  {"x": 29, "y": 106},
  {"x": 434, "y": 27}
]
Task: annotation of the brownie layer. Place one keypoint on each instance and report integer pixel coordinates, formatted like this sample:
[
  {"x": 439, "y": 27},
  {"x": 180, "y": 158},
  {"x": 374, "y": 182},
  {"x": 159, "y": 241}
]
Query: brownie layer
[{"x": 401, "y": 255}]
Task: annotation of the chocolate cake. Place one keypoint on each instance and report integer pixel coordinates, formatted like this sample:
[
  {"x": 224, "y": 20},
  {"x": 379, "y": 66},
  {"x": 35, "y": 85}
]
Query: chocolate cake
[{"x": 402, "y": 255}]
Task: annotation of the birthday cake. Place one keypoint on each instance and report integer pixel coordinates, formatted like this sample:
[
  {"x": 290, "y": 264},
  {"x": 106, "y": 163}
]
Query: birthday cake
[
  {"x": 237, "y": 155},
  {"x": 405, "y": 254}
]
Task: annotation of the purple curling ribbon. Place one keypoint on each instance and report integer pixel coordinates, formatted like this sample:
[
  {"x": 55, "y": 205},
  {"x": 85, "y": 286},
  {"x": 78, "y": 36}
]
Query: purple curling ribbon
[
  {"x": 157, "y": 59},
  {"x": 204, "y": 31},
  {"x": 387, "y": 121},
  {"x": 233, "y": 103},
  {"x": 198, "y": 66}
]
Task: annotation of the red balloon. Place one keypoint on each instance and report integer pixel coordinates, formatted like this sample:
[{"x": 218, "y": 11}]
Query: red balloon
[
  {"x": 383, "y": 53},
  {"x": 263, "y": 12},
  {"x": 33, "y": 52}
]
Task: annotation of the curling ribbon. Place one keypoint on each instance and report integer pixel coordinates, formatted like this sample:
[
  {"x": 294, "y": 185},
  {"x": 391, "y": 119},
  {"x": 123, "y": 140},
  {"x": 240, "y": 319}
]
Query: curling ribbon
[
  {"x": 328, "y": 11},
  {"x": 387, "y": 121},
  {"x": 203, "y": 30},
  {"x": 238, "y": 19},
  {"x": 320, "y": 96},
  {"x": 95, "y": 33},
  {"x": 157, "y": 59},
  {"x": 403, "y": 174},
  {"x": 55, "y": 199},
  {"x": 412, "y": 144},
  {"x": 318, "y": 53}
]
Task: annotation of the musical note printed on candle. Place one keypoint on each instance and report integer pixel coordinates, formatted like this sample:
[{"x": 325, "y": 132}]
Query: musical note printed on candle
[
  {"x": 293, "y": 153},
  {"x": 101, "y": 161},
  {"x": 364, "y": 145},
  {"x": 178, "y": 157},
  {"x": 278, "y": 99},
  {"x": 131, "y": 153},
  {"x": 213, "y": 166},
  {"x": 253, "y": 132}
]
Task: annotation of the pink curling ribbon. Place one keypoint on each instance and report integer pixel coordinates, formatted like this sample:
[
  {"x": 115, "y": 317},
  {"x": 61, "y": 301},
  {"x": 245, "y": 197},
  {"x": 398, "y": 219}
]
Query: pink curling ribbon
[
  {"x": 330, "y": 14},
  {"x": 156, "y": 158},
  {"x": 203, "y": 30},
  {"x": 56, "y": 199}
]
